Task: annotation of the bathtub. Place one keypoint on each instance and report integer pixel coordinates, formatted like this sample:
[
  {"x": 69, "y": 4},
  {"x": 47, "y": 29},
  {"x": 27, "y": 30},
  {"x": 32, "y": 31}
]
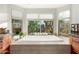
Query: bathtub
[
  {"x": 48, "y": 38},
  {"x": 49, "y": 44}
]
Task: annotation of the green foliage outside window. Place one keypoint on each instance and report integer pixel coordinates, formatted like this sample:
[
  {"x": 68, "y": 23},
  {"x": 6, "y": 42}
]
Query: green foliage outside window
[
  {"x": 33, "y": 26},
  {"x": 40, "y": 27},
  {"x": 63, "y": 27}
]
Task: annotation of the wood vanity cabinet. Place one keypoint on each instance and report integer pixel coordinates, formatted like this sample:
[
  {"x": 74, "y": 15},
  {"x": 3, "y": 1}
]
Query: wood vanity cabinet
[{"x": 74, "y": 44}]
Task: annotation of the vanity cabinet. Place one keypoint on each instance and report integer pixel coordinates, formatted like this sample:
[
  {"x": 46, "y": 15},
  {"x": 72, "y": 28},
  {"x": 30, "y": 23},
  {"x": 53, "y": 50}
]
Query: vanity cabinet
[{"x": 74, "y": 44}]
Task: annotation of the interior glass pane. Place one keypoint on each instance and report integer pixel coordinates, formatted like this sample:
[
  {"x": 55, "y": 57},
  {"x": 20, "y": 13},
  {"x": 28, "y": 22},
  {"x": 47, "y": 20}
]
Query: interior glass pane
[
  {"x": 64, "y": 26},
  {"x": 32, "y": 16},
  {"x": 33, "y": 27},
  {"x": 47, "y": 27},
  {"x": 64, "y": 14},
  {"x": 46, "y": 16}
]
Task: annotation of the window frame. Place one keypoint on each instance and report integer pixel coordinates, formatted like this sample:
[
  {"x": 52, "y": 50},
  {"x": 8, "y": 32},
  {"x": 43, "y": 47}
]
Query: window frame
[{"x": 64, "y": 20}]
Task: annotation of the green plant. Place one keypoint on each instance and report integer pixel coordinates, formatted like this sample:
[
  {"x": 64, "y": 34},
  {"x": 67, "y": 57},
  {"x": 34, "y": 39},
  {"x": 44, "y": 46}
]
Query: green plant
[
  {"x": 17, "y": 33},
  {"x": 21, "y": 33}
]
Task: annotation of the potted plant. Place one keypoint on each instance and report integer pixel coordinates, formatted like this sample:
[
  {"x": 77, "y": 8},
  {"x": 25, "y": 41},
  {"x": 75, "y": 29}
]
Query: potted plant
[{"x": 21, "y": 34}]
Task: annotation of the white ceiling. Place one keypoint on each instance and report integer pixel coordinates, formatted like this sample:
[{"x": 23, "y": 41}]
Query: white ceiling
[{"x": 41, "y": 5}]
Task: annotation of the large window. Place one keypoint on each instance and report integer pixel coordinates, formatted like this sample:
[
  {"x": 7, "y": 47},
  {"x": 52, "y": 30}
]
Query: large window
[
  {"x": 40, "y": 24},
  {"x": 64, "y": 19}
]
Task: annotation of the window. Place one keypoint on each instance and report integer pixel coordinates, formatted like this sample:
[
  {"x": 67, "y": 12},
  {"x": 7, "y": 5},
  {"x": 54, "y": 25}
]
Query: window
[
  {"x": 47, "y": 26},
  {"x": 64, "y": 18},
  {"x": 3, "y": 20},
  {"x": 33, "y": 27},
  {"x": 32, "y": 16},
  {"x": 46, "y": 16},
  {"x": 16, "y": 26},
  {"x": 64, "y": 14},
  {"x": 3, "y": 23},
  {"x": 42, "y": 24},
  {"x": 16, "y": 13}
]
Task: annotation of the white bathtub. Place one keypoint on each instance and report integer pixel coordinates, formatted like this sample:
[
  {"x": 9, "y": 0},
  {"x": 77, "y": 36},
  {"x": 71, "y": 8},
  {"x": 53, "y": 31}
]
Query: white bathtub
[{"x": 48, "y": 38}]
